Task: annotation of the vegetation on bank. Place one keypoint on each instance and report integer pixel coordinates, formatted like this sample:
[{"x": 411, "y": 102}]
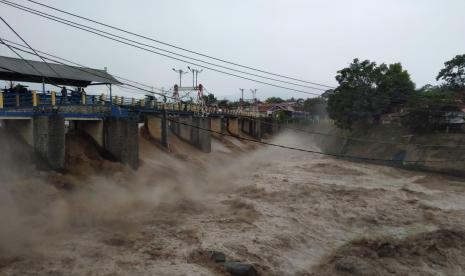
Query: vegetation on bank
[{"x": 368, "y": 91}]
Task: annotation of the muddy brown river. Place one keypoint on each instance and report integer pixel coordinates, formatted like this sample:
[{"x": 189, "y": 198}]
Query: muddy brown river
[{"x": 284, "y": 212}]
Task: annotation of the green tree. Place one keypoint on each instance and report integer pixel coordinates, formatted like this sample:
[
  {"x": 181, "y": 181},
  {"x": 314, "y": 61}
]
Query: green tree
[
  {"x": 315, "y": 106},
  {"x": 395, "y": 82},
  {"x": 454, "y": 73},
  {"x": 209, "y": 99},
  {"x": 273, "y": 100},
  {"x": 429, "y": 109},
  {"x": 223, "y": 103},
  {"x": 366, "y": 91}
]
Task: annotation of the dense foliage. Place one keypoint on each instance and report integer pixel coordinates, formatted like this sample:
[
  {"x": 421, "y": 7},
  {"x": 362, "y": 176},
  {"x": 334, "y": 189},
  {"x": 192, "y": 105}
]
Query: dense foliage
[
  {"x": 430, "y": 109},
  {"x": 453, "y": 73},
  {"x": 367, "y": 91},
  {"x": 272, "y": 100}
]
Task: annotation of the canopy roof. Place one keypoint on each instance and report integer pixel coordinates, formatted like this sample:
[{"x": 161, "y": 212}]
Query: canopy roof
[{"x": 14, "y": 69}]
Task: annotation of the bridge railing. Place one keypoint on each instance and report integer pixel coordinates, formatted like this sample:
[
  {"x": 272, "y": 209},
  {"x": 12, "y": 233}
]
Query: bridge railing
[{"x": 31, "y": 99}]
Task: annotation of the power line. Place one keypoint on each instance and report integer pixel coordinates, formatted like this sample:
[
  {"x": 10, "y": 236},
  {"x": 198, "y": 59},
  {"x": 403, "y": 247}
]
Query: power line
[
  {"x": 77, "y": 64},
  {"x": 176, "y": 47},
  {"x": 175, "y": 58},
  {"x": 93, "y": 73},
  {"x": 24, "y": 41},
  {"x": 94, "y": 30},
  {"x": 26, "y": 61}
]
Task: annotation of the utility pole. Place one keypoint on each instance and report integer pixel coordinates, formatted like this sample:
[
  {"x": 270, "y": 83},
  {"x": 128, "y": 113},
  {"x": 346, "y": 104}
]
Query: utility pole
[
  {"x": 242, "y": 98},
  {"x": 254, "y": 95},
  {"x": 195, "y": 73},
  {"x": 180, "y": 72}
]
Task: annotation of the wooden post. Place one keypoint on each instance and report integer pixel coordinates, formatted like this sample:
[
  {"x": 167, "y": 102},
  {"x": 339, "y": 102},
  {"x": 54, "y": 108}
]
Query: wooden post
[
  {"x": 83, "y": 99},
  {"x": 54, "y": 98},
  {"x": 17, "y": 100},
  {"x": 34, "y": 98},
  {"x": 1, "y": 100}
]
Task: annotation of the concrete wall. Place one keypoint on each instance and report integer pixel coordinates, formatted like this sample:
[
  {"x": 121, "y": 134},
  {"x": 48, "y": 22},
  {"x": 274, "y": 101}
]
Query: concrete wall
[
  {"x": 157, "y": 127},
  {"x": 204, "y": 136},
  {"x": 24, "y": 128},
  {"x": 184, "y": 127},
  {"x": 217, "y": 125},
  {"x": 438, "y": 152},
  {"x": 122, "y": 139},
  {"x": 233, "y": 126},
  {"x": 92, "y": 128},
  {"x": 268, "y": 126},
  {"x": 251, "y": 127},
  {"x": 49, "y": 139},
  {"x": 190, "y": 130}
]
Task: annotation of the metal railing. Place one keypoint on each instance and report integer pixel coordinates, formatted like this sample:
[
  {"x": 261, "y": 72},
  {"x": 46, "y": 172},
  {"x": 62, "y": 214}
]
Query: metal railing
[{"x": 32, "y": 99}]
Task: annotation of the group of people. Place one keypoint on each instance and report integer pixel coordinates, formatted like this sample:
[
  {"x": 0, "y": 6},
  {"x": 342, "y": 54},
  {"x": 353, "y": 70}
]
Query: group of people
[{"x": 75, "y": 94}]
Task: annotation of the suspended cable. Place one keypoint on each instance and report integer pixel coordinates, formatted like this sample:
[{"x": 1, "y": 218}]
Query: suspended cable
[
  {"x": 24, "y": 41},
  {"x": 106, "y": 34},
  {"x": 176, "y": 47}
]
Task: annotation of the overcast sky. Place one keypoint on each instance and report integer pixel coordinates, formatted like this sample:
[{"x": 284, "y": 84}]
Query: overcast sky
[{"x": 306, "y": 39}]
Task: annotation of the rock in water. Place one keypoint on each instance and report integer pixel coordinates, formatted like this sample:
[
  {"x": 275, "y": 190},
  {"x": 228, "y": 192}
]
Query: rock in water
[
  {"x": 217, "y": 257},
  {"x": 240, "y": 269}
]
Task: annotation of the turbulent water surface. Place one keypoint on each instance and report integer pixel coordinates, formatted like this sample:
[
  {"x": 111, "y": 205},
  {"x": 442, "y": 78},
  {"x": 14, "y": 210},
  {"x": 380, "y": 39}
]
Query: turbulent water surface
[{"x": 285, "y": 212}]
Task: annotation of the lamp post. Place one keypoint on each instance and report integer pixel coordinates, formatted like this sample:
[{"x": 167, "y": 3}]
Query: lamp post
[
  {"x": 195, "y": 73},
  {"x": 180, "y": 72}
]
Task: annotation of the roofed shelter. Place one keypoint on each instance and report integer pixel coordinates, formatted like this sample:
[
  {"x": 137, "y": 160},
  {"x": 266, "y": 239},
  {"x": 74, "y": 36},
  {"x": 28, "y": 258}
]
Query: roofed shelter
[{"x": 14, "y": 69}]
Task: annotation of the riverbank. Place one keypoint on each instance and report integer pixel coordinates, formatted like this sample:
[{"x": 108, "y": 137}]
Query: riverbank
[{"x": 396, "y": 146}]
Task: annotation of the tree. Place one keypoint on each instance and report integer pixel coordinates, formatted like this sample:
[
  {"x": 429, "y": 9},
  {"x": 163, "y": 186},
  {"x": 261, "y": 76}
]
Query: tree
[
  {"x": 366, "y": 91},
  {"x": 209, "y": 99},
  {"x": 273, "y": 100},
  {"x": 395, "y": 83},
  {"x": 429, "y": 109},
  {"x": 223, "y": 103},
  {"x": 454, "y": 73},
  {"x": 315, "y": 106}
]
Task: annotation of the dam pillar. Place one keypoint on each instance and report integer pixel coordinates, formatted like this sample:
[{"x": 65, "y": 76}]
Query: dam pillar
[
  {"x": 121, "y": 139},
  {"x": 194, "y": 130},
  {"x": 184, "y": 128},
  {"x": 201, "y": 134},
  {"x": 233, "y": 126},
  {"x": 257, "y": 128},
  {"x": 205, "y": 137},
  {"x": 217, "y": 125},
  {"x": 157, "y": 127},
  {"x": 49, "y": 139}
]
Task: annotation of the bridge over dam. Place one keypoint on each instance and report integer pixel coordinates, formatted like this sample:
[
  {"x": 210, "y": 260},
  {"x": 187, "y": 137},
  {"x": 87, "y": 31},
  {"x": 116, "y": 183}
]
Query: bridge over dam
[{"x": 42, "y": 119}]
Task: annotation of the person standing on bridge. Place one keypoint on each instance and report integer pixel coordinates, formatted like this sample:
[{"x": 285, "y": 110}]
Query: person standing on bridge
[{"x": 64, "y": 95}]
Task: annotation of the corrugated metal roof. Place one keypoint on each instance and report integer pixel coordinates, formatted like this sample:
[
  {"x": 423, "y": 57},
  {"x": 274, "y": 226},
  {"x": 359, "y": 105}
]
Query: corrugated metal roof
[{"x": 18, "y": 70}]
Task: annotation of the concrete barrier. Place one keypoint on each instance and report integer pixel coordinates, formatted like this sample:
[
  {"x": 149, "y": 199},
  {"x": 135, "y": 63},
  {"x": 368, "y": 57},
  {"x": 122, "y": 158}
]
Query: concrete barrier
[
  {"x": 217, "y": 125},
  {"x": 49, "y": 139},
  {"x": 193, "y": 130},
  {"x": 251, "y": 127},
  {"x": 233, "y": 126},
  {"x": 121, "y": 139},
  {"x": 157, "y": 127}
]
